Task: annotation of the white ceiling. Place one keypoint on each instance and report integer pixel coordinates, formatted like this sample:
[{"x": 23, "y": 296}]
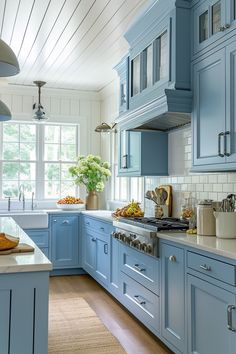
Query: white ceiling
[{"x": 71, "y": 44}]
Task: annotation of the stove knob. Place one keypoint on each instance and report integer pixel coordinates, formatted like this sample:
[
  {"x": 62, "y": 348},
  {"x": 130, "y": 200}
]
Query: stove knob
[
  {"x": 136, "y": 244},
  {"x": 149, "y": 248},
  {"x": 115, "y": 234},
  {"x": 144, "y": 247},
  {"x": 122, "y": 237},
  {"x": 132, "y": 236}
]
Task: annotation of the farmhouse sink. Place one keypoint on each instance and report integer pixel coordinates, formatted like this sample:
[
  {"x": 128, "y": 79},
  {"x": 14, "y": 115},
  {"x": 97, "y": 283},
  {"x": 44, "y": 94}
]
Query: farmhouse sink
[{"x": 28, "y": 219}]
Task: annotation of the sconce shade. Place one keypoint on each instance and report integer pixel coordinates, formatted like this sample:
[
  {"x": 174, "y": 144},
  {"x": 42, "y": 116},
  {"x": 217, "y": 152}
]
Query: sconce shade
[
  {"x": 9, "y": 65},
  {"x": 105, "y": 128},
  {"x": 5, "y": 113}
]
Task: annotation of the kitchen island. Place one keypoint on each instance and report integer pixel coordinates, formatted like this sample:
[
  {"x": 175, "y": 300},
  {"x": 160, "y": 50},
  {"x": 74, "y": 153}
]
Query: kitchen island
[{"x": 24, "y": 280}]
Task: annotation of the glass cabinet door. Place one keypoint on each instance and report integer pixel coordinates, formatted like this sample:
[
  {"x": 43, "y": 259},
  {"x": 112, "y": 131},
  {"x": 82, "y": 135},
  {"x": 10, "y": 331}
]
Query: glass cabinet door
[
  {"x": 135, "y": 75},
  {"x": 147, "y": 67},
  {"x": 216, "y": 17},
  {"x": 203, "y": 27},
  {"x": 161, "y": 57}
]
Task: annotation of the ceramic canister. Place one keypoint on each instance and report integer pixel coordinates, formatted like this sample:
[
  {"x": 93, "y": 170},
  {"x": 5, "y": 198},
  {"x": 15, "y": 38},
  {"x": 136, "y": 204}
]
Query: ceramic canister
[{"x": 206, "y": 224}]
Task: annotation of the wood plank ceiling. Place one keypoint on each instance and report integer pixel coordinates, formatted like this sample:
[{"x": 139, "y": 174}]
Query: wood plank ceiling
[{"x": 71, "y": 44}]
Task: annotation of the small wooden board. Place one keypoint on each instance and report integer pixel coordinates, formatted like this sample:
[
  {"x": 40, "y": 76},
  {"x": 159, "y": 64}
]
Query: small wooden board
[
  {"x": 168, "y": 202},
  {"x": 21, "y": 248}
]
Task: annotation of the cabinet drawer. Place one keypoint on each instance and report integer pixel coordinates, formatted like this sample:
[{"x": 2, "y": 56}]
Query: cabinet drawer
[
  {"x": 40, "y": 238},
  {"x": 140, "y": 267},
  {"x": 99, "y": 226},
  {"x": 211, "y": 267},
  {"x": 141, "y": 302}
]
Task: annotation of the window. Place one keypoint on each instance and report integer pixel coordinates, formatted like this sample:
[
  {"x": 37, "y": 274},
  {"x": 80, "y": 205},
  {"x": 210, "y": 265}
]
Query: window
[{"x": 38, "y": 157}]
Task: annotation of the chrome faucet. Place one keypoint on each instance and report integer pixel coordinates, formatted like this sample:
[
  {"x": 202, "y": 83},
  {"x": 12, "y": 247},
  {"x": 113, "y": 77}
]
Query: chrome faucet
[
  {"x": 22, "y": 195},
  {"x": 8, "y": 203},
  {"x": 32, "y": 201}
]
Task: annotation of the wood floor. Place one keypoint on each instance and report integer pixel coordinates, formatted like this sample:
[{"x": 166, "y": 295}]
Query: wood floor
[{"x": 132, "y": 335}]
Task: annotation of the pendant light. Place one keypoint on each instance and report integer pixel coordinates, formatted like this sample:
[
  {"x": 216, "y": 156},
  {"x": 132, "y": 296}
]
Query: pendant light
[
  {"x": 39, "y": 113},
  {"x": 5, "y": 113},
  {"x": 105, "y": 128},
  {"x": 9, "y": 65}
]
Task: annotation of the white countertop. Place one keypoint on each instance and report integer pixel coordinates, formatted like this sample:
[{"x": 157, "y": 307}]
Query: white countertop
[
  {"x": 21, "y": 262},
  {"x": 213, "y": 244},
  {"x": 105, "y": 215}
]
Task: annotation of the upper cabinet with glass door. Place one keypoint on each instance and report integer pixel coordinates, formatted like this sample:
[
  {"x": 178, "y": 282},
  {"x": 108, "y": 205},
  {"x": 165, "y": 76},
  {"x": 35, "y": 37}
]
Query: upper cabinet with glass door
[
  {"x": 159, "y": 56},
  {"x": 212, "y": 20}
]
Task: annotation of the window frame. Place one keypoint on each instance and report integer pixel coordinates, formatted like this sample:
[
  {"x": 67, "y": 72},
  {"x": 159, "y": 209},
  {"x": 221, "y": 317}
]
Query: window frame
[{"x": 40, "y": 162}]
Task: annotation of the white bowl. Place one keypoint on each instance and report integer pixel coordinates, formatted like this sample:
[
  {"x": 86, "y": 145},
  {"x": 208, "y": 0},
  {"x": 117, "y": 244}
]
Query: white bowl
[{"x": 70, "y": 206}]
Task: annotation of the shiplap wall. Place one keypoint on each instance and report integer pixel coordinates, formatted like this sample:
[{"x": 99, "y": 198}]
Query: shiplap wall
[
  {"x": 214, "y": 186},
  {"x": 63, "y": 106}
]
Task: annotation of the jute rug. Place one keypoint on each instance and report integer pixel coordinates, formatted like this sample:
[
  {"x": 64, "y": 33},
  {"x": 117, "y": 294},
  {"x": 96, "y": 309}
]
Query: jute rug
[{"x": 75, "y": 328}]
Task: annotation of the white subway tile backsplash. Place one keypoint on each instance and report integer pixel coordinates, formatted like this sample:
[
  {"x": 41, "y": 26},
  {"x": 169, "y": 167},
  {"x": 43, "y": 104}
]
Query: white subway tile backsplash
[
  {"x": 215, "y": 186},
  {"x": 212, "y": 178}
]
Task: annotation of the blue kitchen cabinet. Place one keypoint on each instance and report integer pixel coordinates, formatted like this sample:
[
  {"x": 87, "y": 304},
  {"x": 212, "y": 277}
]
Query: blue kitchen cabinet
[
  {"x": 40, "y": 238},
  {"x": 114, "y": 283},
  {"x": 210, "y": 311},
  {"x": 213, "y": 22},
  {"x": 214, "y": 118},
  {"x": 96, "y": 249},
  {"x": 123, "y": 71},
  {"x": 173, "y": 295},
  {"x": 143, "y": 153},
  {"x": 64, "y": 241}
]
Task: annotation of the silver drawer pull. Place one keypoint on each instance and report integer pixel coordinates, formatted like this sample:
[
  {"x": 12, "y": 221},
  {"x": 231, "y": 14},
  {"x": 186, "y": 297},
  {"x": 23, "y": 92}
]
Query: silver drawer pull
[
  {"x": 172, "y": 258},
  {"x": 137, "y": 267},
  {"x": 87, "y": 223},
  {"x": 94, "y": 239},
  {"x": 102, "y": 229},
  {"x": 205, "y": 267},
  {"x": 54, "y": 220},
  {"x": 230, "y": 308},
  {"x": 138, "y": 300},
  {"x": 65, "y": 222}
]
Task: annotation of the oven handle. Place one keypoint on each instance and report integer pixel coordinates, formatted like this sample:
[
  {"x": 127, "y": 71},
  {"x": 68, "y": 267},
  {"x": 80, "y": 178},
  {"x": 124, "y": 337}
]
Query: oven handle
[{"x": 138, "y": 268}]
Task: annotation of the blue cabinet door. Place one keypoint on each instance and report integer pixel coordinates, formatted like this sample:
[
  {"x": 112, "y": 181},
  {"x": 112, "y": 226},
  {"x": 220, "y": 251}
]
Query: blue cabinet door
[
  {"x": 136, "y": 149},
  {"x": 114, "y": 284},
  {"x": 209, "y": 313},
  {"x": 89, "y": 251},
  {"x": 209, "y": 110},
  {"x": 230, "y": 137},
  {"x": 129, "y": 152},
  {"x": 64, "y": 243},
  {"x": 172, "y": 290},
  {"x": 103, "y": 258}
]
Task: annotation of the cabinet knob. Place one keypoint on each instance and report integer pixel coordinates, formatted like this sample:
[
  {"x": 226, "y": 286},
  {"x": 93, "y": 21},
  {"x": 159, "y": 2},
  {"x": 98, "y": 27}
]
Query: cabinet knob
[
  {"x": 54, "y": 220},
  {"x": 205, "y": 267},
  {"x": 94, "y": 239},
  {"x": 172, "y": 258},
  {"x": 223, "y": 28},
  {"x": 65, "y": 222},
  {"x": 102, "y": 229}
]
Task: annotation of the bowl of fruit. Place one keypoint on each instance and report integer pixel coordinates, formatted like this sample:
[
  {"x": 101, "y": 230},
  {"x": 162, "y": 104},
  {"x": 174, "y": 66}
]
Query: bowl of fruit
[
  {"x": 70, "y": 203},
  {"x": 133, "y": 209}
]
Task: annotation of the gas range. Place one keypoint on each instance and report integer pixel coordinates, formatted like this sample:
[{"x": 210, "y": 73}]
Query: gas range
[{"x": 141, "y": 233}]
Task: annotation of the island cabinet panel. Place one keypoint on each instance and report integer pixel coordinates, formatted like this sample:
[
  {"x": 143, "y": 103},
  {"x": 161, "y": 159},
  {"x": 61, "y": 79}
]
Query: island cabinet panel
[
  {"x": 211, "y": 318},
  {"x": 65, "y": 241},
  {"x": 172, "y": 290},
  {"x": 40, "y": 238},
  {"x": 24, "y": 313}
]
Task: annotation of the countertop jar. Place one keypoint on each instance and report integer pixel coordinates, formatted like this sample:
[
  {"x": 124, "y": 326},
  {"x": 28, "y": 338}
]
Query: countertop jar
[{"x": 206, "y": 224}]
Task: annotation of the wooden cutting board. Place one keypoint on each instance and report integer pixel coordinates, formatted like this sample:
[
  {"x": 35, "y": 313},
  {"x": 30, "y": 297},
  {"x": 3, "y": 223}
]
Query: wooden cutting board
[
  {"x": 168, "y": 202},
  {"x": 21, "y": 248}
]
